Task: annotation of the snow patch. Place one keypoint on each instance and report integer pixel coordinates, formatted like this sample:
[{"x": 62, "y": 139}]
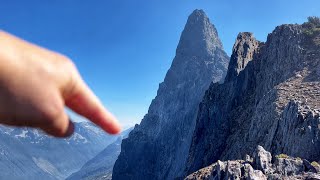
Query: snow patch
[
  {"x": 22, "y": 135},
  {"x": 78, "y": 138}
]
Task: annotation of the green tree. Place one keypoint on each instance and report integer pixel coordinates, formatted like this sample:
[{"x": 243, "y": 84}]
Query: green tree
[{"x": 314, "y": 21}]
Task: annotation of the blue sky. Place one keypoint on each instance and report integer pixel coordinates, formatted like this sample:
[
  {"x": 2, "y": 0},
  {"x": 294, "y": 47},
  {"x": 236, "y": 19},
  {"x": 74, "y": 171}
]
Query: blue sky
[{"x": 123, "y": 48}]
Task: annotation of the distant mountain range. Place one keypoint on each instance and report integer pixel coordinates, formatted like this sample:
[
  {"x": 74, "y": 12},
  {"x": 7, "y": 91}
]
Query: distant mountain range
[
  {"x": 100, "y": 167},
  {"x": 27, "y": 153}
]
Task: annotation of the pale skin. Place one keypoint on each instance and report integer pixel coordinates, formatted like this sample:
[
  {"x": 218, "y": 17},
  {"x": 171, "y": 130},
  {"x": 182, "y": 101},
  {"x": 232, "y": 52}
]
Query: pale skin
[{"x": 37, "y": 84}]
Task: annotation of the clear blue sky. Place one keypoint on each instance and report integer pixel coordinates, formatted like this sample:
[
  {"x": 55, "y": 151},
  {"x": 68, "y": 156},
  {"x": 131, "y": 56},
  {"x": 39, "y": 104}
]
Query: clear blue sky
[{"x": 123, "y": 48}]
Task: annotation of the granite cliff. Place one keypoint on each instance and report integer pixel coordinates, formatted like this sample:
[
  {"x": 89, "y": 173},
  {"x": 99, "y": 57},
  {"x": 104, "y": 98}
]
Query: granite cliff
[{"x": 158, "y": 147}]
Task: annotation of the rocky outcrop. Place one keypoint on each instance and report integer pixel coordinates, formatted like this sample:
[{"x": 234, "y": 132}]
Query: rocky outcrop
[
  {"x": 260, "y": 167},
  {"x": 270, "y": 97},
  {"x": 242, "y": 53},
  {"x": 158, "y": 147}
]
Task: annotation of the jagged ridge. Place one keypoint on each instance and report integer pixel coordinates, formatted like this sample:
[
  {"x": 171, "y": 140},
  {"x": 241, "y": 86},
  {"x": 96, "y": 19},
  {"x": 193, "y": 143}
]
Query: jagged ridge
[{"x": 271, "y": 97}]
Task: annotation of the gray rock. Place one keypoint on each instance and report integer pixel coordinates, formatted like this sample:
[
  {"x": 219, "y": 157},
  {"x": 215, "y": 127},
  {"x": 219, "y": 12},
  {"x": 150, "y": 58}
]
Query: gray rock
[
  {"x": 282, "y": 168},
  {"x": 263, "y": 102},
  {"x": 263, "y": 160},
  {"x": 289, "y": 166},
  {"x": 309, "y": 167},
  {"x": 158, "y": 147},
  {"x": 243, "y": 51},
  {"x": 251, "y": 174}
]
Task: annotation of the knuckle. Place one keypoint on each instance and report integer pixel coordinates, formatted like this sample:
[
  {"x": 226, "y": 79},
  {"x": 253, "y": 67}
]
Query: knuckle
[
  {"x": 63, "y": 63},
  {"x": 66, "y": 62},
  {"x": 69, "y": 68},
  {"x": 71, "y": 77}
]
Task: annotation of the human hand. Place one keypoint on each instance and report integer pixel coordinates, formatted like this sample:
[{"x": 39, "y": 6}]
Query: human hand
[{"x": 35, "y": 86}]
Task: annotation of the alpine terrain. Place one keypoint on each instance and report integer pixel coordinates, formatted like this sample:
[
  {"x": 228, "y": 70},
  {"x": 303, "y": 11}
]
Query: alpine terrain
[
  {"x": 100, "y": 167},
  {"x": 158, "y": 147},
  {"x": 271, "y": 98},
  {"x": 256, "y": 118},
  {"x": 27, "y": 153}
]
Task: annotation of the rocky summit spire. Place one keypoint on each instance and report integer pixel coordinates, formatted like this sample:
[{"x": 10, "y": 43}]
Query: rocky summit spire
[
  {"x": 159, "y": 146},
  {"x": 199, "y": 36},
  {"x": 242, "y": 53}
]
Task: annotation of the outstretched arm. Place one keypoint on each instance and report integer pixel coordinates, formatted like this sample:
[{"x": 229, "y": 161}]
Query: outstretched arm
[{"x": 35, "y": 86}]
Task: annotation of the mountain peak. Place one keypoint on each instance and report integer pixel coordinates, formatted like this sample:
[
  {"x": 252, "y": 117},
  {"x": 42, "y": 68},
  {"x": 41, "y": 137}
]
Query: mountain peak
[
  {"x": 242, "y": 54},
  {"x": 199, "y": 36},
  {"x": 164, "y": 134},
  {"x": 198, "y": 13}
]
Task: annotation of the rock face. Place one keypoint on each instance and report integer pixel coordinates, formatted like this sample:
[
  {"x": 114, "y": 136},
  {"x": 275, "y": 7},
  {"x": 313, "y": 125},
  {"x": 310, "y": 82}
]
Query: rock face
[
  {"x": 260, "y": 168},
  {"x": 27, "y": 153},
  {"x": 270, "y": 97},
  {"x": 158, "y": 147},
  {"x": 243, "y": 51},
  {"x": 100, "y": 167},
  {"x": 212, "y": 128}
]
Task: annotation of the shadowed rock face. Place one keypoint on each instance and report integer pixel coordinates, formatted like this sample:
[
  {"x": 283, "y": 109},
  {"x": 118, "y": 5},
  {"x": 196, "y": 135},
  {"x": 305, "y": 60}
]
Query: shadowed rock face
[
  {"x": 159, "y": 146},
  {"x": 270, "y": 97},
  {"x": 219, "y": 103}
]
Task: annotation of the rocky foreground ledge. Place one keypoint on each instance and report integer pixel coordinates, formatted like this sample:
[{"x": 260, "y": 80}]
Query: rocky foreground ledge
[{"x": 260, "y": 166}]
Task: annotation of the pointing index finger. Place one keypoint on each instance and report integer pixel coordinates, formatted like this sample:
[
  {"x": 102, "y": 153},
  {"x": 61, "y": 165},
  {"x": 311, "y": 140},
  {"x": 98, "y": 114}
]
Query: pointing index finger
[{"x": 83, "y": 101}]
